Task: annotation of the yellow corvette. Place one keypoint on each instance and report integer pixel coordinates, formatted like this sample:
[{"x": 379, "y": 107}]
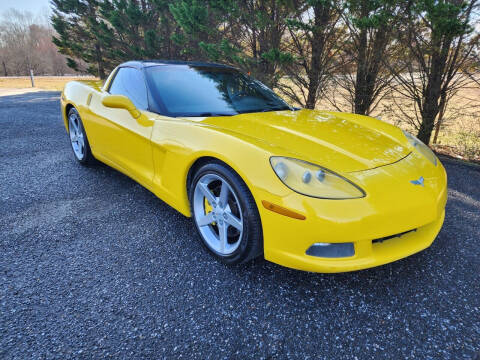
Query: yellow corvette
[{"x": 312, "y": 190}]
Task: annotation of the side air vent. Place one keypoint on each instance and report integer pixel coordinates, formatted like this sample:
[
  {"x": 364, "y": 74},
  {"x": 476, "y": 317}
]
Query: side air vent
[{"x": 89, "y": 99}]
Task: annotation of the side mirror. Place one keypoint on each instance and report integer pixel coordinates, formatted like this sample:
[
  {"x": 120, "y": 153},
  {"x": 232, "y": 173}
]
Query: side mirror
[{"x": 120, "y": 102}]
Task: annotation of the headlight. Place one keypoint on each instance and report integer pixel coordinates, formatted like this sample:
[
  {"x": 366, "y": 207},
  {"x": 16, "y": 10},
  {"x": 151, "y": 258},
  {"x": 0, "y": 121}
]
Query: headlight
[
  {"x": 312, "y": 180},
  {"x": 421, "y": 147}
]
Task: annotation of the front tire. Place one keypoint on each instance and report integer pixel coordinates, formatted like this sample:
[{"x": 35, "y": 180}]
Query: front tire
[
  {"x": 78, "y": 138},
  {"x": 225, "y": 214}
]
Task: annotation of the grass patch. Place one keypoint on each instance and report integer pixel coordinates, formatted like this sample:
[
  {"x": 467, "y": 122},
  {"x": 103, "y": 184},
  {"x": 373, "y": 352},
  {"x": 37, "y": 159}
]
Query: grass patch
[{"x": 52, "y": 83}]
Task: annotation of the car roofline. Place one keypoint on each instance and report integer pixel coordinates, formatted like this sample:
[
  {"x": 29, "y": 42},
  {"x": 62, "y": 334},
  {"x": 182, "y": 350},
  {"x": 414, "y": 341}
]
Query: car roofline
[{"x": 140, "y": 64}]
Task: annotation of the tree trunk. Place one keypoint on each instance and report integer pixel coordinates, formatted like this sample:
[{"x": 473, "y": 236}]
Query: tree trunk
[
  {"x": 440, "y": 117},
  {"x": 368, "y": 69},
  {"x": 426, "y": 128},
  {"x": 429, "y": 112},
  {"x": 312, "y": 92},
  {"x": 322, "y": 17},
  {"x": 313, "y": 73},
  {"x": 101, "y": 68},
  {"x": 4, "y": 68},
  {"x": 360, "y": 81},
  {"x": 432, "y": 92}
]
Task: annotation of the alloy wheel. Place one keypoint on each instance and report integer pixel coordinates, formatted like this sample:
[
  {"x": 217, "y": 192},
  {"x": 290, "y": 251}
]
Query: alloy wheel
[
  {"x": 76, "y": 136},
  {"x": 218, "y": 214}
]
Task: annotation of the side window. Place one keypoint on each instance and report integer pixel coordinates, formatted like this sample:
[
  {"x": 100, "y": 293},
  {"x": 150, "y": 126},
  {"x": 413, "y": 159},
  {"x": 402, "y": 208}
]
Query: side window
[{"x": 130, "y": 82}]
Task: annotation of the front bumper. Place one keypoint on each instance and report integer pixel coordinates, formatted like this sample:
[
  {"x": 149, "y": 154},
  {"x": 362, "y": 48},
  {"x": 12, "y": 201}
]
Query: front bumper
[{"x": 392, "y": 206}]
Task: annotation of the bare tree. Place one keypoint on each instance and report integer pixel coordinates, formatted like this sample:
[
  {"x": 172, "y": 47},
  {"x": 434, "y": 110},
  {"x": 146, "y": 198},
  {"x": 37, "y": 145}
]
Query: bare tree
[
  {"x": 438, "y": 42},
  {"x": 362, "y": 75},
  {"x": 26, "y": 44},
  {"x": 312, "y": 36}
]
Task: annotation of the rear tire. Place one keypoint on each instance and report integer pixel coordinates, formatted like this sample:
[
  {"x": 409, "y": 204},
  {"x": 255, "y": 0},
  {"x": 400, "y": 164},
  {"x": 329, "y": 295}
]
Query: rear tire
[
  {"x": 78, "y": 138},
  {"x": 225, "y": 214}
]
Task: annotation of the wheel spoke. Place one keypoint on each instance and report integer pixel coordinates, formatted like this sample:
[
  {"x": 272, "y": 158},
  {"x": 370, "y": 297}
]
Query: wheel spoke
[
  {"x": 74, "y": 123},
  {"x": 222, "y": 232},
  {"x": 205, "y": 220},
  {"x": 81, "y": 140},
  {"x": 207, "y": 193},
  {"x": 233, "y": 221},
  {"x": 223, "y": 199}
]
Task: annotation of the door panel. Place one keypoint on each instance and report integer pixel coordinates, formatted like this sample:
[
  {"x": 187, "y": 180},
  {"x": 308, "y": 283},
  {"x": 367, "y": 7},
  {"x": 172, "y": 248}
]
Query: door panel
[
  {"x": 119, "y": 137},
  {"x": 123, "y": 139}
]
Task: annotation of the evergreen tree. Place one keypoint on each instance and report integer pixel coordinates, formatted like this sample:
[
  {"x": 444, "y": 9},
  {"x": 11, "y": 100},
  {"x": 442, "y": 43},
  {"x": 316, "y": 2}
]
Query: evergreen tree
[
  {"x": 248, "y": 34},
  {"x": 263, "y": 25},
  {"x": 140, "y": 29},
  {"x": 81, "y": 35},
  {"x": 206, "y": 29}
]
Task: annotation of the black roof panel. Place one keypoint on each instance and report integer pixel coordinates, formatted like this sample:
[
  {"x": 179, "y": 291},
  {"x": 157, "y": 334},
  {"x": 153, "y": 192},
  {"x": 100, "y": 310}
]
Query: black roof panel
[{"x": 147, "y": 63}]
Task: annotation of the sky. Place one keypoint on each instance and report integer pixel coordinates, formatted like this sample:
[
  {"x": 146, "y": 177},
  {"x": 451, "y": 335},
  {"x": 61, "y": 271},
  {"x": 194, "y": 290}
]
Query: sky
[{"x": 34, "y": 6}]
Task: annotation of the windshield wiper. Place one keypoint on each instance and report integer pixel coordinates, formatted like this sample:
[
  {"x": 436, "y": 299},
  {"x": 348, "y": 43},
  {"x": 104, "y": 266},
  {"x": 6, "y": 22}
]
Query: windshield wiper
[
  {"x": 206, "y": 114},
  {"x": 265, "y": 110},
  {"x": 278, "y": 108}
]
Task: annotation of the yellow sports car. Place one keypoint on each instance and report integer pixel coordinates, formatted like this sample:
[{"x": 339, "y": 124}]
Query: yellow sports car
[{"x": 312, "y": 190}]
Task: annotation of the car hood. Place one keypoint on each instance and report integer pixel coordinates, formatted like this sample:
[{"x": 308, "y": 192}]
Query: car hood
[{"x": 338, "y": 141}]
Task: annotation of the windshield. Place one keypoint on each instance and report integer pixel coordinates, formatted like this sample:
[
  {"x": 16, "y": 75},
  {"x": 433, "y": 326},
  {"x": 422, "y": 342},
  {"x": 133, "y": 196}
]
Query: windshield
[{"x": 185, "y": 90}]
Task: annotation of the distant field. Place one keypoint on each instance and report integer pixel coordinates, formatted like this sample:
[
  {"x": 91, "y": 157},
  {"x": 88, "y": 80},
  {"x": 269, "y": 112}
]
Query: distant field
[{"x": 41, "y": 82}]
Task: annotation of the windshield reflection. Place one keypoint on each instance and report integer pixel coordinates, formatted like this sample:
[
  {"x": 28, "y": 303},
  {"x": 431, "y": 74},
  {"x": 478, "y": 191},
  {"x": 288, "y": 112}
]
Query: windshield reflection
[{"x": 186, "y": 90}]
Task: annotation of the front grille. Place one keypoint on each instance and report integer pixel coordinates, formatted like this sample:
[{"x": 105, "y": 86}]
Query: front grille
[{"x": 380, "y": 240}]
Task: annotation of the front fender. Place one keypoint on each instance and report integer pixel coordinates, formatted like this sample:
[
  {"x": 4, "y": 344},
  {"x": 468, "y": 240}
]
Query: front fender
[{"x": 178, "y": 144}]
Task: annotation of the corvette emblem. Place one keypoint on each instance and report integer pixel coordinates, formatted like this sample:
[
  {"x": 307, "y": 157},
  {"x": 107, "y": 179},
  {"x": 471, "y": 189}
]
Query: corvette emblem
[{"x": 418, "y": 182}]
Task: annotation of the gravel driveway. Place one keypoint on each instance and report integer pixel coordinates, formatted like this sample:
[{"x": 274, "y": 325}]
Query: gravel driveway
[{"x": 92, "y": 265}]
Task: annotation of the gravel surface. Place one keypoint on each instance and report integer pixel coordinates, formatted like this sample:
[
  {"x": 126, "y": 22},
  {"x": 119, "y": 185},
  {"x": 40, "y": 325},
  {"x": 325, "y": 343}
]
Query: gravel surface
[{"x": 92, "y": 265}]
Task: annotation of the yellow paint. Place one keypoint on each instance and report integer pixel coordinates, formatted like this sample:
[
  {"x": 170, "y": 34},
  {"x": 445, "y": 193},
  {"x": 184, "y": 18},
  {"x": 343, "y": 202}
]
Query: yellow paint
[{"x": 158, "y": 151}]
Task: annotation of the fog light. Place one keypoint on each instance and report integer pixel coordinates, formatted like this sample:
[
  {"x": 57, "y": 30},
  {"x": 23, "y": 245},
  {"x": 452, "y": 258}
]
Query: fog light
[{"x": 331, "y": 250}]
